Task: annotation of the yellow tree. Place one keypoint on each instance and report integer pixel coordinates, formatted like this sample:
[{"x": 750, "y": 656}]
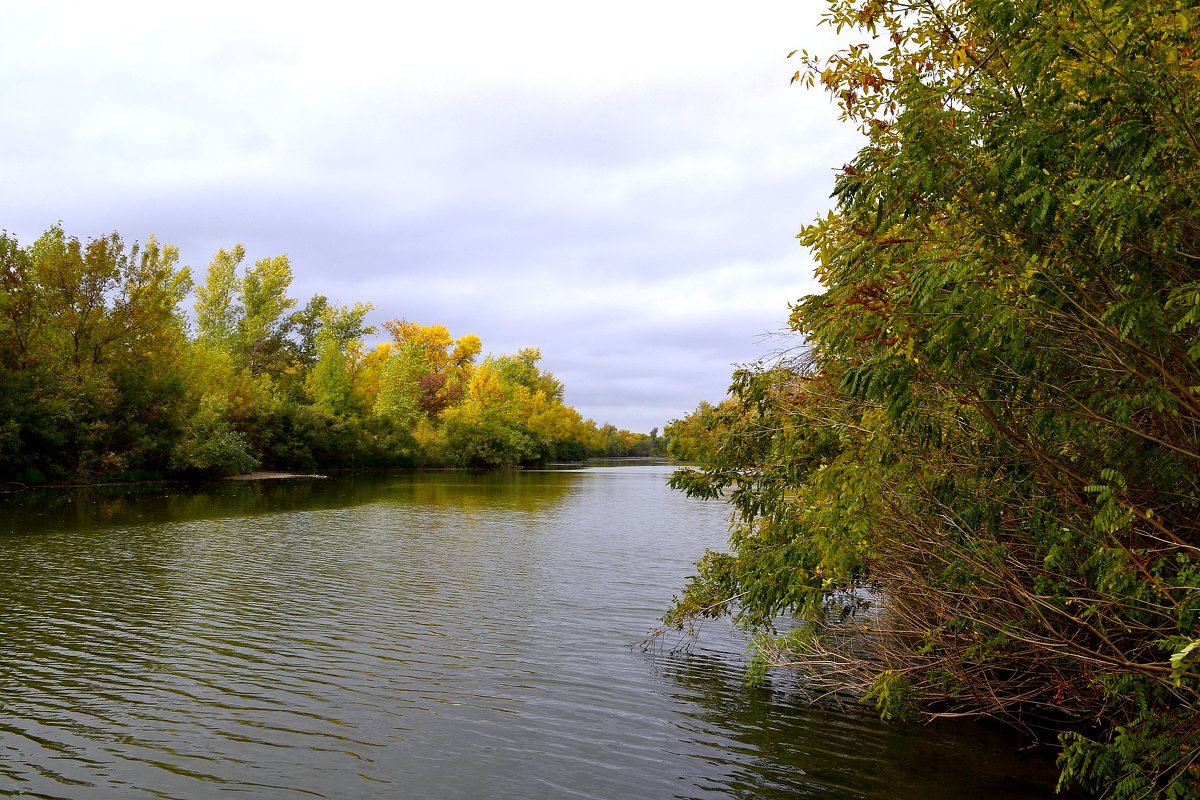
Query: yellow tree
[{"x": 427, "y": 371}]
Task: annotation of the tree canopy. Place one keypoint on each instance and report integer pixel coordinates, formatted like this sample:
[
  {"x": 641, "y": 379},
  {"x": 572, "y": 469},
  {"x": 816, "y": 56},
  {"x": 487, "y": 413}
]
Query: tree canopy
[
  {"x": 978, "y": 480},
  {"x": 103, "y": 378}
]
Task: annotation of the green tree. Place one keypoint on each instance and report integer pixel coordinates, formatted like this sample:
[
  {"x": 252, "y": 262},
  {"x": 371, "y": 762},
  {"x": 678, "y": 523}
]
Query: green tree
[
  {"x": 219, "y": 312},
  {"x": 208, "y": 447},
  {"x": 266, "y": 325},
  {"x": 244, "y": 325},
  {"x": 33, "y": 413},
  {"x": 522, "y": 370},
  {"x": 247, "y": 316},
  {"x": 338, "y": 348},
  {"x": 91, "y": 348},
  {"x": 991, "y": 448},
  {"x": 98, "y": 379},
  {"x": 400, "y": 393},
  {"x": 306, "y": 324}
]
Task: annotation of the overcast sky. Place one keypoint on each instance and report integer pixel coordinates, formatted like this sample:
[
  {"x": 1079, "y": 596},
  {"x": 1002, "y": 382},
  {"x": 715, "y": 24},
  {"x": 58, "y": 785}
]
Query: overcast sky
[{"x": 618, "y": 184}]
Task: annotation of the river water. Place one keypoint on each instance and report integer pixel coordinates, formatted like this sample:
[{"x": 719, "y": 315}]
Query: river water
[{"x": 437, "y": 635}]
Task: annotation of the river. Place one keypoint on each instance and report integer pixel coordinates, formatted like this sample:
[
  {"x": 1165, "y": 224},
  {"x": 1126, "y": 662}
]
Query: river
[{"x": 431, "y": 635}]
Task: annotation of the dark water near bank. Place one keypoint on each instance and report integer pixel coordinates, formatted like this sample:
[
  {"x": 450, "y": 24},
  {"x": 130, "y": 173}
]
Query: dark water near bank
[{"x": 437, "y": 635}]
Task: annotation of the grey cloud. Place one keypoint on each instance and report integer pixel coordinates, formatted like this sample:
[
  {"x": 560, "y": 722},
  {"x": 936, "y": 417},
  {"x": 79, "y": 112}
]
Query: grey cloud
[{"x": 639, "y": 233}]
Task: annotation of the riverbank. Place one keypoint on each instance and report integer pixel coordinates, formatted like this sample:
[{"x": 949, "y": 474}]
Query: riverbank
[
  {"x": 16, "y": 486},
  {"x": 276, "y": 476}
]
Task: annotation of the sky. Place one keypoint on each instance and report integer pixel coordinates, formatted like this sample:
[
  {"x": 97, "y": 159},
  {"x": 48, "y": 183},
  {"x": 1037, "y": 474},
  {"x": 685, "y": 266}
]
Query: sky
[{"x": 618, "y": 185}]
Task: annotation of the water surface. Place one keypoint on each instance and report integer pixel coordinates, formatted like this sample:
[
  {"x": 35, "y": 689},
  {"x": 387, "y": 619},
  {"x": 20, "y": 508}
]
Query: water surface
[{"x": 441, "y": 635}]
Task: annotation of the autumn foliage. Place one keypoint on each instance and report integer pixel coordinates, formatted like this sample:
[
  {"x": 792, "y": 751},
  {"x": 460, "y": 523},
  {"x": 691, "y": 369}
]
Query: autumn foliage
[{"x": 104, "y": 377}]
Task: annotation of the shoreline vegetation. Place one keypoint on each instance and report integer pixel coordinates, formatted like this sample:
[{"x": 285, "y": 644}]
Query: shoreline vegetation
[
  {"x": 103, "y": 378},
  {"x": 973, "y": 490},
  {"x": 10, "y": 487}
]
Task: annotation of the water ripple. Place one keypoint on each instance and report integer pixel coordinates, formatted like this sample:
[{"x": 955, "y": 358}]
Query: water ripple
[{"x": 416, "y": 636}]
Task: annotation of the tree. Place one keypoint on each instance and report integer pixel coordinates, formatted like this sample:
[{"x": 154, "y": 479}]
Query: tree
[
  {"x": 399, "y": 395},
  {"x": 208, "y": 448},
  {"x": 91, "y": 343},
  {"x": 98, "y": 379},
  {"x": 989, "y": 452},
  {"x": 430, "y": 373},
  {"x": 33, "y": 416},
  {"x": 307, "y": 324},
  {"x": 265, "y": 326},
  {"x": 489, "y": 427},
  {"x": 338, "y": 350},
  {"x": 148, "y": 368},
  {"x": 219, "y": 312},
  {"x": 696, "y": 437},
  {"x": 247, "y": 316},
  {"x": 244, "y": 324},
  {"x": 522, "y": 369}
]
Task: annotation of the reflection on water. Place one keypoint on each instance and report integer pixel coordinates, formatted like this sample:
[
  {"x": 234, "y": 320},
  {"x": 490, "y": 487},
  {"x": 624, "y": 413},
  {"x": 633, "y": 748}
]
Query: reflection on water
[
  {"x": 417, "y": 635},
  {"x": 99, "y": 506},
  {"x": 773, "y": 748}
]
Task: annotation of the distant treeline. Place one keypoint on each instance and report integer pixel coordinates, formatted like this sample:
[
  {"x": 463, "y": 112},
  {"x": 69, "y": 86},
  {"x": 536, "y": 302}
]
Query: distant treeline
[{"x": 102, "y": 376}]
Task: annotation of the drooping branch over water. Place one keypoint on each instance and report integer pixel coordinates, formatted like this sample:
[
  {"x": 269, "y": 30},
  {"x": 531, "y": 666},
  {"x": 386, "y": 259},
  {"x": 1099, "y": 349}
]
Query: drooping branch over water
[{"x": 995, "y": 431}]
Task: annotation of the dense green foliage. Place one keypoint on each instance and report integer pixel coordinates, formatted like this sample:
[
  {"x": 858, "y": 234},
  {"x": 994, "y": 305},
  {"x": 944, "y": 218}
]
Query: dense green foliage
[
  {"x": 980, "y": 483},
  {"x": 101, "y": 378}
]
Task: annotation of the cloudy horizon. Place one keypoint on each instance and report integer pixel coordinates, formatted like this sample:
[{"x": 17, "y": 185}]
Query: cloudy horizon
[{"x": 620, "y": 190}]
